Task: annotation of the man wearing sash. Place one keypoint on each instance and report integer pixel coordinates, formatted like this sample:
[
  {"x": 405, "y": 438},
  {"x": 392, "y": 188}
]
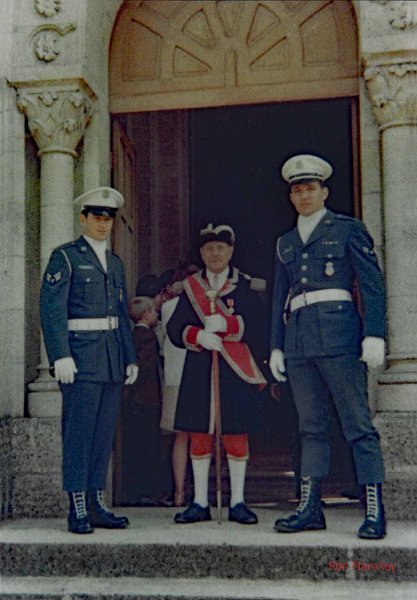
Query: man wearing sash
[{"x": 232, "y": 332}]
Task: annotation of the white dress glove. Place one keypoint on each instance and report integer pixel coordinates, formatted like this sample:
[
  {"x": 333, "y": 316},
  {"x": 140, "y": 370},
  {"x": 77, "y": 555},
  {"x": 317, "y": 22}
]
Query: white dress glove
[
  {"x": 65, "y": 369},
  {"x": 132, "y": 372},
  {"x": 277, "y": 364},
  {"x": 373, "y": 351},
  {"x": 209, "y": 341},
  {"x": 215, "y": 324}
]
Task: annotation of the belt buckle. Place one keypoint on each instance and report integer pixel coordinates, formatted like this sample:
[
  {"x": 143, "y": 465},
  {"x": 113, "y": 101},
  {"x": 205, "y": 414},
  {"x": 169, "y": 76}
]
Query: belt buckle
[{"x": 304, "y": 298}]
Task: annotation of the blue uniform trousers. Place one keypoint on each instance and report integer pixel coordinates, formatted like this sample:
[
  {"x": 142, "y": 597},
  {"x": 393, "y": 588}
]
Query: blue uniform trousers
[
  {"x": 344, "y": 377},
  {"x": 89, "y": 414}
]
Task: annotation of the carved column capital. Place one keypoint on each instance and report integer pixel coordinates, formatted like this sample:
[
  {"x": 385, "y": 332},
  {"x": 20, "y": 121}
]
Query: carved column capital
[
  {"x": 391, "y": 82},
  {"x": 57, "y": 116}
]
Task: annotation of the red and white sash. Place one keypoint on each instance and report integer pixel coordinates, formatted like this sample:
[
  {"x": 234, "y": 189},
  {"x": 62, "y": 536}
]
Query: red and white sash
[{"x": 236, "y": 354}]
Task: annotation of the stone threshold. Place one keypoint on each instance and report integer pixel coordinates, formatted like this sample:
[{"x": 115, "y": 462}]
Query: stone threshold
[{"x": 136, "y": 588}]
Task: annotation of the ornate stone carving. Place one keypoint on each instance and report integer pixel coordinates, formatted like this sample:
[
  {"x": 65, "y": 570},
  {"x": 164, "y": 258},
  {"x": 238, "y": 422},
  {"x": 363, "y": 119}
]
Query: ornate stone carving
[
  {"x": 48, "y": 8},
  {"x": 403, "y": 13},
  {"x": 57, "y": 118},
  {"x": 46, "y": 41},
  {"x": 391, "y": 83}
]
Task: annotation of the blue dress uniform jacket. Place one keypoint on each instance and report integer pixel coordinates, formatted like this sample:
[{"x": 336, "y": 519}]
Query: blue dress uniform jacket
[
  {"x": 74, "y": 286},
  {"x": 241, "y": 402},
  {"x": 338, "y": 253}
]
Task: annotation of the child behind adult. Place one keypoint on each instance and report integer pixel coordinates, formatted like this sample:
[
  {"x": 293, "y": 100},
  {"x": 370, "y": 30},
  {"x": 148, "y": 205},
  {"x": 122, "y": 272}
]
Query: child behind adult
[{"x": 145, "y": 404}]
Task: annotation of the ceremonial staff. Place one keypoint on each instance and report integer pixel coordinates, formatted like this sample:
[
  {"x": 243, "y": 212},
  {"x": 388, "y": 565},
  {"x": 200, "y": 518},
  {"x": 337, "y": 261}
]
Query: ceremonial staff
[{"x": 212, "y": 296}]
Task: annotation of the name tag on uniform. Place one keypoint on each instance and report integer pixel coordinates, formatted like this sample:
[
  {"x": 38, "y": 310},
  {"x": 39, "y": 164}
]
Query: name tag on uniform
[{"x": 85, "y": 267}]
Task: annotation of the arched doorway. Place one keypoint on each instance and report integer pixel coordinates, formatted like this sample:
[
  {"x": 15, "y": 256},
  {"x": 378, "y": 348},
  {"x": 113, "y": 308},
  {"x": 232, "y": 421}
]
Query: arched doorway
[{"x": 251, "y": 81}]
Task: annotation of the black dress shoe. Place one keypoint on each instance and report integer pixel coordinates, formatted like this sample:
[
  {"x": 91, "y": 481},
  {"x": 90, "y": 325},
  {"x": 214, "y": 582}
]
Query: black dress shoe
[
  {"x": 81, "y": 525},
  {"x": 108, "y": 520},
  {"x": 193, "y": 514},
  {"x": 240, "y": 513}
]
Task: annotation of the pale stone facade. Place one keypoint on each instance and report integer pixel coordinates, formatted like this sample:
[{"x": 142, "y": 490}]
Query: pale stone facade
[{"x": 54, "y": 65}]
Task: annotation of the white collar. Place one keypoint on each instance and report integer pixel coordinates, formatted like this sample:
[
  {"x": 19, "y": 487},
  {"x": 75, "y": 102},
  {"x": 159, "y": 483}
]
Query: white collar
[
  {"x": 219, "y": 278},
  {"x": 306, "y": 225},
  {"x": 98, "y": 245}
]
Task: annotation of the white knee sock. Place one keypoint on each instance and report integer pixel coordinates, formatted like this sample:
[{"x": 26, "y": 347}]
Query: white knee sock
[
  {"x": 237, "y": 471},
  {"x": 201, "y": 468}
]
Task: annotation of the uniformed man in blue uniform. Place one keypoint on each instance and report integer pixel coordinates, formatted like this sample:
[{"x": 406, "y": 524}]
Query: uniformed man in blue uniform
[
  {"x": 324, "y": 343},
  {"x": 89, "y": 344}
]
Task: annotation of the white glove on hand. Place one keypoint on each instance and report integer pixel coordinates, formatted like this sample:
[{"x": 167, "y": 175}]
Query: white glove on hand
[
  {"x": 215, "y": 324},
  {"x": 277, "y": 364},
  {"x": 209, "y": 341},
  {"x": 65, "y": 369},
  {"x": 373, "y": 351},
  {"x": 132, "y": 372}
]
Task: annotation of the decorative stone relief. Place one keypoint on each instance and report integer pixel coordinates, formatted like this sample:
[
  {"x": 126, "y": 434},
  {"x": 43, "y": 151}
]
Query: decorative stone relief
[
  {"x": 403, "y": 13},
  {"x": 392, "y": 88},
  {"x": 57, "y": 118},
  {"x": 48, "y": 8},
  {"x": 46, "y": 41}
]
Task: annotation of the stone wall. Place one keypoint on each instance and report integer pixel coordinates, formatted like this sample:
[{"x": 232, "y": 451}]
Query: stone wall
[{"x": 30, "y": 468}]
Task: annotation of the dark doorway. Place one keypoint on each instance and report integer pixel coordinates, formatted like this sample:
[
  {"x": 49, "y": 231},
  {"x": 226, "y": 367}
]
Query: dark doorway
[
  {"x": 231, "y": 158},
  {"x": 235, "y": 158}
]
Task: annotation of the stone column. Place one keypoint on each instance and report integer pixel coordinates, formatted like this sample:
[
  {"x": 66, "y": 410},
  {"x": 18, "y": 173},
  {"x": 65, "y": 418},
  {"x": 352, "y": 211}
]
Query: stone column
[
  {"x": 391, "y": 80},
  {"x": 57, "y": 118}
]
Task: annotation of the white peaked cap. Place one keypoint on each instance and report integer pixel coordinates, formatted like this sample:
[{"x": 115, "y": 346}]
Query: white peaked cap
[
  {"x": 102, "y": 196},
  {"x": 306, "y": 166}
]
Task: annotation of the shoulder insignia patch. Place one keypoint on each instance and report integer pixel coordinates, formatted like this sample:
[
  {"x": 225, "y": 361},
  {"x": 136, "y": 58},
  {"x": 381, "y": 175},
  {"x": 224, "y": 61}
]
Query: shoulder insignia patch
[
  {"x": 52, "y": 279},
  {"x": 257, "y": 284}
]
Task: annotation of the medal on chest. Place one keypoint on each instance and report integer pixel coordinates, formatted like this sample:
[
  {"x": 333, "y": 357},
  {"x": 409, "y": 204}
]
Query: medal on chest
[
  {"x": 329, "y": 268},
  {"x": 230, "y": 305}
]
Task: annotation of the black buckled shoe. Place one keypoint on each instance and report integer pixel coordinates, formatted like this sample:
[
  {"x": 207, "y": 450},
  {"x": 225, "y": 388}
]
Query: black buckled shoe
[
  {"x": 101, "y": 516},
  {"x": 193, "y": 514},
  {"x": 309, "y": 514},
  {"x": 240, "y": 513},
  {"x": 78, "y": 519},
  {"x": 374, "y": 526}
]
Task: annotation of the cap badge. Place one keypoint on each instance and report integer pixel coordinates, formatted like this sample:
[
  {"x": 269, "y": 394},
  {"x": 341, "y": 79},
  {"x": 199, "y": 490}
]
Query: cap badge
[
  {"x": 106, "y": 194},
  {"x": 299, "y": 164}
]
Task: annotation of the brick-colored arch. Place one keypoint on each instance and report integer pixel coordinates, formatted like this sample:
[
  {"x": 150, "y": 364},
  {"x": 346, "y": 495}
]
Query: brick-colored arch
[{"x": 176, "y": 54}]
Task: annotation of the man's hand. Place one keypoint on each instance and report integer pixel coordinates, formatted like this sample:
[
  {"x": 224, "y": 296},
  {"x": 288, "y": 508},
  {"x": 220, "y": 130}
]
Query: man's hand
[
  {"x": 65, "y": 369},
  {"x": 277, "y": 365},
  {"x": 209, "y": 341},
  {"x": 215, "y": 324},
  {"x": 373, "y": 351},
  {"x": 132, "y": 372}
]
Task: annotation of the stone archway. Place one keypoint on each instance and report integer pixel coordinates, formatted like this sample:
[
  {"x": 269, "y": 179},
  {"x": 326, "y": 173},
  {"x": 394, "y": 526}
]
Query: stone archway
[{"x": 167, "y": 55}]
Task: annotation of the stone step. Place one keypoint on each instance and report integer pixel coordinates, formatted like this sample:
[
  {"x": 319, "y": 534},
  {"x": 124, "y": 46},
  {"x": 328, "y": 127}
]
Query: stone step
[
  {"x": 154, "y": 546},
  {"x": 135, "y": 588}
]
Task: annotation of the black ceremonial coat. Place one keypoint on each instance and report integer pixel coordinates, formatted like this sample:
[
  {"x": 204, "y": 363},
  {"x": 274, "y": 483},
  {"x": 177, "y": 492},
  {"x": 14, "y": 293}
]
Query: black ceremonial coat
[{"x": 240, "y": 401}]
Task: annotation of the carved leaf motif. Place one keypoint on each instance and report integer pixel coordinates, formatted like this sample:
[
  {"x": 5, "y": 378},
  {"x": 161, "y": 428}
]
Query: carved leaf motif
[
  {"x": 56, "y": 118},
  {"x": 47, "y": 46},
  {"x": 48, "y": 8}
]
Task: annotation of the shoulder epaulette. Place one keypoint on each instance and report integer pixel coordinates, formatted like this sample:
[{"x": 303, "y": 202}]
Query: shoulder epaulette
[
  {"x": 66, "y": 245},
  {"x": 256, "y": 283},
  {"x": 345, "y": 217}
]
